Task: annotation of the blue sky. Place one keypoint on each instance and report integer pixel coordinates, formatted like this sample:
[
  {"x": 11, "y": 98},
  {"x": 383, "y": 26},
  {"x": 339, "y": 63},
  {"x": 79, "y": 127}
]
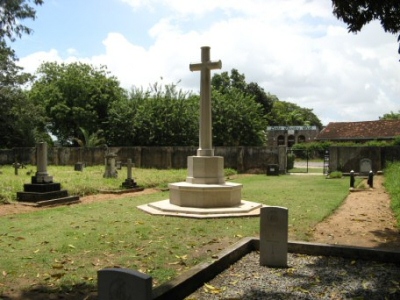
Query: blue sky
[{"x": 294, "y": 49}]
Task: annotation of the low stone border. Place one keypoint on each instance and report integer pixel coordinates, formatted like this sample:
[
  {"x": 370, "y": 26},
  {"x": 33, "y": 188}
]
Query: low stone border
[{"x": 190, "y": 281}]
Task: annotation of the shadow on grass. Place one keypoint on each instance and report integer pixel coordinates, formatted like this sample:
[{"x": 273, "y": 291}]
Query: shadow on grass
[{"x": 66, "y": 292}]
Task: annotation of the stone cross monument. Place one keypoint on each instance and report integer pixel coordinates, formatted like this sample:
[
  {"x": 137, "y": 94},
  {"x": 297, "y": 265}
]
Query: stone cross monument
[
  {"x": 204, "y": 194},
  {"x": 205, "y": 133},
  {"x": 205, "y": 185}
]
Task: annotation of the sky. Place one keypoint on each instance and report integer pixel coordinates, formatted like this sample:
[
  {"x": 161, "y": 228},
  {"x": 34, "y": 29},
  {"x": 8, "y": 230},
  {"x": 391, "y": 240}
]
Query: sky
[{"x": 294, "y": 49}]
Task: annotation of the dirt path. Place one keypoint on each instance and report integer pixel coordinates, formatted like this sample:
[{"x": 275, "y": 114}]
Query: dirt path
[{"x": 365, "y": 219}]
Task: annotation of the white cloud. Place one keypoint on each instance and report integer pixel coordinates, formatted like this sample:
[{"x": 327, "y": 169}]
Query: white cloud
[{"x": 295, "y": 49}]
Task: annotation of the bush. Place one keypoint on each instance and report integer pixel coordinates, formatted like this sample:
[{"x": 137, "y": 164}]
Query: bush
[
  {"x": 336, "y": 174},
  {"x": 290, "y": 161},
  {"x": 229, "y": 172}
]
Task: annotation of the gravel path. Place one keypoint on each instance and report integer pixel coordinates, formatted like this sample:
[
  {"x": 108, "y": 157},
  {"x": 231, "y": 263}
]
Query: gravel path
[
  {"x": 307, "y": 277},
  {"x": 358, "y": 222}
]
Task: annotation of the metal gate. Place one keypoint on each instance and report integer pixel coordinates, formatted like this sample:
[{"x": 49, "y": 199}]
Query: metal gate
[{"x": 298, "y": 161}]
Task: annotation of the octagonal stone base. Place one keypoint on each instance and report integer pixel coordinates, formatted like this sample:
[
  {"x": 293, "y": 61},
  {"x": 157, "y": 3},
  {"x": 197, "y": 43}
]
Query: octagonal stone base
[{"x": 205, "y": 195}]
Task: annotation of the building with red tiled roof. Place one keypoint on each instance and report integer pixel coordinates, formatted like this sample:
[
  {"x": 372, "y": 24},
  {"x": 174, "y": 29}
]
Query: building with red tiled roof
[{"x": 360, "y": 131}]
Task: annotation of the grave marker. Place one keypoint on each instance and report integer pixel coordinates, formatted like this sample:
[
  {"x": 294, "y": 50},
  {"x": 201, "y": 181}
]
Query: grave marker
[
  {"x": 274, "y": 236},
  {"x": 123, "y": 284},
  {"x": 129, "y": 181},
  {"x": 365, "y": 166},
  {"x": 110, "y": 171}
]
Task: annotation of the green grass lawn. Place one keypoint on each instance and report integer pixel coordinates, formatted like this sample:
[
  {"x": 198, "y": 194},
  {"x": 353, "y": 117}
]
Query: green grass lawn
[{"x": 59, "y": 248}]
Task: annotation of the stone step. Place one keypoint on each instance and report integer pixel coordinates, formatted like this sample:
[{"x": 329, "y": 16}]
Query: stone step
[
  {"x": 35, "y": 197},
  {"x": 42, "y": 187}
]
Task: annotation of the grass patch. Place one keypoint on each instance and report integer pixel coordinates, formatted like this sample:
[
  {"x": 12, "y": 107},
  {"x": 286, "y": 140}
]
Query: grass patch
[
  {"x": 85, "y": 183},
  {"x": 392, "y": 184},
  {"x": 63, "y": 247}
]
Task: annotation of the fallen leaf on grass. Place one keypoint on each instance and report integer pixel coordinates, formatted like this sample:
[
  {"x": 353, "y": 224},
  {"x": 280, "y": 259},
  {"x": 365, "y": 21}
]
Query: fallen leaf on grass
[
  {"x": 57, "y": 275},
  {"x": 58, "y": 266}
]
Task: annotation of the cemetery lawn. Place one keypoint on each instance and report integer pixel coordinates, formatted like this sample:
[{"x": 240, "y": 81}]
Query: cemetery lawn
[{"x": 58, "y": 250}]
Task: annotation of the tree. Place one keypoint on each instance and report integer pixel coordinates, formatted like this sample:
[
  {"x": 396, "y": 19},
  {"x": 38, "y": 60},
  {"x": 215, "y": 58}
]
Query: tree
[
  {"x": 90, "y": 140},
  {"x": 12, "y": 13},
  {"x": 237, "y": 120},
  {"x": 290, "y": 114},
  {"x": 391, "y": 116},
  {"x": 225, "y": 84},
  {"x": 75, "y": 96},
  {"x": 21, "y": 121},
  {"x": 357, "y": 13},
  {"x": 159, "y": 116}
]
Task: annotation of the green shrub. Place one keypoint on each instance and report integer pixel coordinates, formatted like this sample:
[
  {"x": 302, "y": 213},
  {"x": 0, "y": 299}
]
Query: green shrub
[
  {"x": 290, "y": 161},
  {"x": 336, "y": 174},
  {"x": 230, "y": 172}
]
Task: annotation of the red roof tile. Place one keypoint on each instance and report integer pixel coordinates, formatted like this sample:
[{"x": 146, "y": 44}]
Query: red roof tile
[{"x": 367, "y": 130}]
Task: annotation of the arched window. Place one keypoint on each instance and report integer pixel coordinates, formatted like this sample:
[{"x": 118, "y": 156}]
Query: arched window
[
  {"x": 281, "y": 140},
  {"x": 301, "y": 139}
]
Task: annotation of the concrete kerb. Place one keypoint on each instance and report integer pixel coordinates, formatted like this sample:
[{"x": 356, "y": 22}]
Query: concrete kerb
[{"x": 190, "y": 281}]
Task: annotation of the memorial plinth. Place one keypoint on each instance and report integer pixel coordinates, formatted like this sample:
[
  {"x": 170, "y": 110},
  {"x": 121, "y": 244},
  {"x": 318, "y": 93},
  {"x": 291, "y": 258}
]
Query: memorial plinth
[
  {"x": 42, "y": 191},
  {"x": 205, "y": 192}
]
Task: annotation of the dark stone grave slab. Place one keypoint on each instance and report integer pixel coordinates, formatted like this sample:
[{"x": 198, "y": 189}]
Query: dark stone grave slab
[{"x": 119, "y": 283}]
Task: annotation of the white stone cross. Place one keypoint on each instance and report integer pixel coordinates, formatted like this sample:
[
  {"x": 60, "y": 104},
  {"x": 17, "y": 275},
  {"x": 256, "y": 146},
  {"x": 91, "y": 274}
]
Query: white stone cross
[{"x": 205, "y": 130}]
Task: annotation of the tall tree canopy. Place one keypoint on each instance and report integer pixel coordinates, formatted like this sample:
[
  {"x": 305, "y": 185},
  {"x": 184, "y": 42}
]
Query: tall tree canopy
[
  {"x": 357, "y": 13},
  {"x": 75, "y": 96},
  {"x": 237, "y": 120},
  {"x": 159, "y": 116},
  {"x": 290, "y": 114},
  {"x": 19, "y": 118},
  {"x": 225, "y": 83},
  {"x": 12, "y": 14}
]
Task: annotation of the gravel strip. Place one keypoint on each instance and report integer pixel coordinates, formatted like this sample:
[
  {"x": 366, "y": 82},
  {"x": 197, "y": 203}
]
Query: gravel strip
[{"x": 307, "y": 277}]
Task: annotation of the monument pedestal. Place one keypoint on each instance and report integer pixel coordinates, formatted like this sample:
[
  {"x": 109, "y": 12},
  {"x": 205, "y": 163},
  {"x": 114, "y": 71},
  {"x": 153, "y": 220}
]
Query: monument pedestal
[
  {"x": 42, "y": 191},
  {"x": 44, "y": 194},
  {"x": 204, "y": 194},
  {"x": 205, "y": 185}
]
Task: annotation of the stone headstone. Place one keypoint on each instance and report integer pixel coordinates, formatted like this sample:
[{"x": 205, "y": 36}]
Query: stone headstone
[
  {"x": 79, "y": 166},
  {"x": 274, "y": 236},
  {"x": 365, "y": 165},
  {"x": 123, "y": 284},
  {"x": 110, "y": 171}
]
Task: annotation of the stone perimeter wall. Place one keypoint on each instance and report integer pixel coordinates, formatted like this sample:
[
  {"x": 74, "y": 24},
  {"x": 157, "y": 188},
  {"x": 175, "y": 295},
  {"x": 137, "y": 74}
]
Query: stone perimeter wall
[
  {"x": 346, "y": 159},
  {"x": 240, "y": 158},
  {"x": 243, "y": 159}
]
